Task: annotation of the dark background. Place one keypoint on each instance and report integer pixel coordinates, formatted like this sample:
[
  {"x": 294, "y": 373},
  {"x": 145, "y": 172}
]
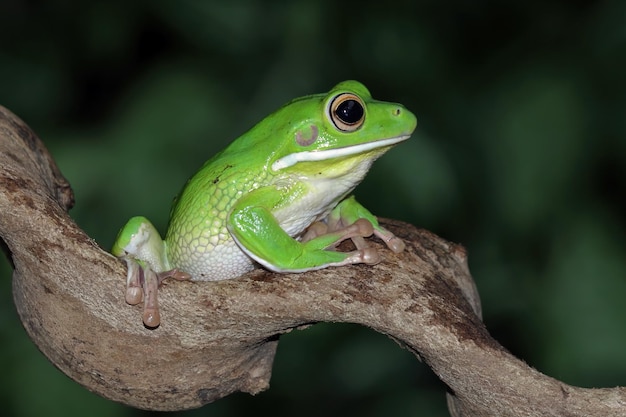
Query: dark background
[{"x": 519, "y": 155}]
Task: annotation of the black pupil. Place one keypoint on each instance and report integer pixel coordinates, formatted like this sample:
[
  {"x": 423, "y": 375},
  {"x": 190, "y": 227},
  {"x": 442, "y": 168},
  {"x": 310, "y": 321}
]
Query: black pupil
[{"x": 349, "y": 111}]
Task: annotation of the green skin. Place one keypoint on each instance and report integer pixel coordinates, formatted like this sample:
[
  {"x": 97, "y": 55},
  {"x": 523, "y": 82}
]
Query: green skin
[{"x": 276, "y": 196}]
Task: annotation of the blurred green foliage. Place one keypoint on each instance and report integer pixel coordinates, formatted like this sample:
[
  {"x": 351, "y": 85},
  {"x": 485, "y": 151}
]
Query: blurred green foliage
[{"x": 519, "y": 155}]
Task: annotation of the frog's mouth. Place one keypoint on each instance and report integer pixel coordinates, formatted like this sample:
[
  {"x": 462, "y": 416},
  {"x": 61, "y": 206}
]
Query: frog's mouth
[{"x": 326, "y": 154}]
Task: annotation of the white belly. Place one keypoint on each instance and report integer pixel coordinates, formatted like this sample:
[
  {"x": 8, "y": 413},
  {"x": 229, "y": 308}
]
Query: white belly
[{"x": 225, "y": 261}]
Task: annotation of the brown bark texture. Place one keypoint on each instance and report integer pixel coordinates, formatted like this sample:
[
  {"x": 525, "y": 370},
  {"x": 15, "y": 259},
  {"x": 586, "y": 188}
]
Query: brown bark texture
[{"x": 217, "y": 338}]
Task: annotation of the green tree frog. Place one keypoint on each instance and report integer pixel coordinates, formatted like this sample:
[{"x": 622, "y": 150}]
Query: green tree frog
[{"x": 276, "y": 196}]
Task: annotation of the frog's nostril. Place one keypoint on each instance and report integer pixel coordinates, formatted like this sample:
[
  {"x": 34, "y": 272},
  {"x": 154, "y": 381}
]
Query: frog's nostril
[{"x": 396, "y": 111}]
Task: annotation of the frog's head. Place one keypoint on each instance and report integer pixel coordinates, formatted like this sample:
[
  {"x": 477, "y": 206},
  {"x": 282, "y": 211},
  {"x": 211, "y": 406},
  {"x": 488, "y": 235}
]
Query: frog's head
[{"x": 331, "y": 133}]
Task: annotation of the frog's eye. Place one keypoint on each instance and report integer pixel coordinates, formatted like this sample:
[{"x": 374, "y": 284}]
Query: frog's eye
[{"x": 347, "y": 112}]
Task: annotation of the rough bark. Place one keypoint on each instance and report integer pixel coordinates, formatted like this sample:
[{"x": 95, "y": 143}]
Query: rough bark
[{"x": 221, "y": 337}]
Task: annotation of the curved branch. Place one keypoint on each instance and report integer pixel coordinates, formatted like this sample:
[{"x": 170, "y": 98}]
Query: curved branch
[{"x": 220, "y": 337}]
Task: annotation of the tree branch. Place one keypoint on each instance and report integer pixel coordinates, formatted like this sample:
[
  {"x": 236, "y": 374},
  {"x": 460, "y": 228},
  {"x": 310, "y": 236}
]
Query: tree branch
[{"x": 220, "y": 337}]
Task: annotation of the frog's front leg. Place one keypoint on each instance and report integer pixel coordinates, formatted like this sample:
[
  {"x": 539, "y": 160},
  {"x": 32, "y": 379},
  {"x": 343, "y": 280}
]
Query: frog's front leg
[
  {"x": 143, "y": 250},
  {"x": 259, "y": 234},
  {"x": 350, "y": 212}
]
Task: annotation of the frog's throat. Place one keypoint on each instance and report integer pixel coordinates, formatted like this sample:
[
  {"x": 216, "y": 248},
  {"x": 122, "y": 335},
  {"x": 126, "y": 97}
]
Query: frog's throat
[{"x": 323, "y": 155}]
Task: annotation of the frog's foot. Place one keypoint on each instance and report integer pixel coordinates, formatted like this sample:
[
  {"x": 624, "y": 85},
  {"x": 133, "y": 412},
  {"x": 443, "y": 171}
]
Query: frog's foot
[
  {"x": 366, "y": 229},
  {"x": 357, "y": 232},
  {"x": 143, "y": 284}
]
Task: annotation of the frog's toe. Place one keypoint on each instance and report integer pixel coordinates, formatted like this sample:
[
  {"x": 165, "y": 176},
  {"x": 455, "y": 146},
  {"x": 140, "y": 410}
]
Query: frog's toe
[
  {"x": 356, "y": 231},
  {"x": 134, "y": 290},
  {"x": 363, "y": 227},
  {"x": 134, "y": 295},
  {"x": 151, "y": 283},
  {"x": 394, "y": 243},
  {"x": 314, "y": 230},
  {"x": 175, "y": 273},
  {"x": 370, "y": 256},
  {"x": 151, "y": 315},
  {"x": 367, "y": 256}
]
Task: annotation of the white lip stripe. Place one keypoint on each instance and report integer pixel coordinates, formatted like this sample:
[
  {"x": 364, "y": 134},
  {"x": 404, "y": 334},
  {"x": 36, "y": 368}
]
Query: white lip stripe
[{"x": 306, "y": 156}]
